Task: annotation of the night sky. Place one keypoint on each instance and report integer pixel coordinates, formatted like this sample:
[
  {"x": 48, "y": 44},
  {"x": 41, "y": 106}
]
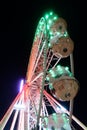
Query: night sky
[{"x": 18, "y": 22}]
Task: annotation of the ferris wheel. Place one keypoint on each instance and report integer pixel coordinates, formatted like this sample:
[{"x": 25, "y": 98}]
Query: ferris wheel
[{"x": 49, "y": 83}]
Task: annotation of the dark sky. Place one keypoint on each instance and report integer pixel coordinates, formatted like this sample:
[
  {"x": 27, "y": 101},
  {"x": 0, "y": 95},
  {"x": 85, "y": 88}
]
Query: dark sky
[{"x": 18, "y": 21}]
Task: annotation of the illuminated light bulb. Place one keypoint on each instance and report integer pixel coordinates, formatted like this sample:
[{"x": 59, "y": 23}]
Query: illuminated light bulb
[
  {"x": 50, "y": 21},
  {"x": 19, "y": 106},
  {"x": 67, "y": 68},
  {"x": 55, "y": 117},
  {"x": 51, "y": 13},
  {"x": 50, "y": 86},
  {"x": 58, "y": 66},
  {"x": 21, "y": 84},
  {"x": 46, "y": 120},
  {"x": 50, "y": 33},
  {"x": 52, "y": 73},
  {"x": 46, "y": 16},
  {"x": 49, "y": 45},
  {"x": 47, "y": 78},
  {"x": 48, "y": 27},
  {"x": 65, "y": 34},
  {"x": 55, "y": 18},
  {"x": 51, "y": 37}
]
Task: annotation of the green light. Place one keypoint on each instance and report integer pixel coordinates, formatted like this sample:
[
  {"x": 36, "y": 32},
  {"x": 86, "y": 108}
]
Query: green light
[
  {"x": 50, "y": 21},
  {"x": 65, "y": 34},
  {"x": 54, "y": 114},
  {"x": 49, "y": 45},
  {"x": 63, "y": 115},
  {"x": 41, "y": 22},
  {"x": 52, "y": 73},
  {"x": 48, "y": 27},
  {"x": 70, "y": 74},
  {"x": 51, "y": 37},
  {"x": 58, "y": 33},
  {"x": 40, "y": 26},
  {"x": 55, "y": 18},
  {"x": 47, "y": 78},
  {"x": 50, "y": 33},
  {"x": 46, "y": 120},
  {"x": 59, "y": 67},
  {"x": 46, "y": 16},
  {"x": 55, "y": 117},
  {"x": 64, "y": 118},
  {"x": 67, "y": 68},
  {"x": 50, "y": 86},
  {"x": 51, "y": 13}
]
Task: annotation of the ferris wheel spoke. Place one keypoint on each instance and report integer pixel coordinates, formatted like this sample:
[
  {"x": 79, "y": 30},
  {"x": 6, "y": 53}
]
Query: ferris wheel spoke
[
  {"x": 35, "y": 51},
  {"x": 58, "y": 59},
  {"x": 38, "y": 58},
  {"x": 36, "y": 78},
  {"x": 49, "y": 62},
  {"x": 52, "y": 104}
]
